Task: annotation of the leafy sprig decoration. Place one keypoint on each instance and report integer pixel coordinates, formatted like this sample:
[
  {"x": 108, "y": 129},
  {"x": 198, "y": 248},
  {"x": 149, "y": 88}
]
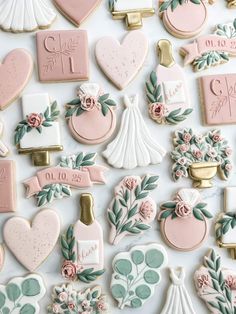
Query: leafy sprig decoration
[
  {"x": 68, "y": 251},
  {"x": 125, "y": 213},
  {"x": 215, "y": 288},
  {"x": 37, "y": 122},
  {"x": 111, "y": 4},
  {"x": 79, "y": 106},
  {"x": 199, "y": 211},
  {"x": 174, "y": 3},
  {"x": 224, "y": 224},
  {"x": 154, "y": 95}
]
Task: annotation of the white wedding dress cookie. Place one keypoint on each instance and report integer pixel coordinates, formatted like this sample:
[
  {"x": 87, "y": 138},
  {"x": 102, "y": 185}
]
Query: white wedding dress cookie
[
  {"x": 133, "y": 145},
  {"x": 25, "y": 15}
]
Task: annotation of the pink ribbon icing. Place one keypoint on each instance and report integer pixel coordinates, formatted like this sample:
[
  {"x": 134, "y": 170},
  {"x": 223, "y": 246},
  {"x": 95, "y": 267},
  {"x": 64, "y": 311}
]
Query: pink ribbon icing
[
  {"x": 208, "y": 43},
  {"x": 85, "y": 177}
]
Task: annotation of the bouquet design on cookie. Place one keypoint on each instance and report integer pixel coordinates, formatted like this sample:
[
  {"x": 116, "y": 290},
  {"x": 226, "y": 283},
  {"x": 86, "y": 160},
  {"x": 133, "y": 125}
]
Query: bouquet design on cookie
[
  {"x": 68, "y": 300},
  {"x": 132, "y": 209},
  {"x": 200, "y": 156},
  {"x": 216, "y": 285}
]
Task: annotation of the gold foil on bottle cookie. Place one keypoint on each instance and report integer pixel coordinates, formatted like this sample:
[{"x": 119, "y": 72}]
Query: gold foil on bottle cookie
[
  {"x": 202, "y": 173},
  {"x": 133, "y": 18},
  {"x": 86, "y": 204},
  {"x": 165, "y": 53}
]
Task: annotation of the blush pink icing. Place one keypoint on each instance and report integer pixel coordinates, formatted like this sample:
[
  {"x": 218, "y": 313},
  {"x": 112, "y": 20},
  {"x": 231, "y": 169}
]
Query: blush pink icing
[
  {"x": 31, "y": 243},
  {"x": 15, "y": 72},
  {"x": 62, "y": 55},
  {"x": 7, "y": 186},
  {"x": 77, "y": 10},
  {"x": 121, "y": 62},
  {"x": 186, "y": 20},
  {"x": 218, "y": 98},
  {"x": 2, "y": 256}
]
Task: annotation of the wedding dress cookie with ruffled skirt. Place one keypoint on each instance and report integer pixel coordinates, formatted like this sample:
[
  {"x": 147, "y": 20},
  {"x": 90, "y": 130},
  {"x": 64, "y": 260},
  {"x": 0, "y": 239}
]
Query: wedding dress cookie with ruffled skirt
[{"x": 25, "y": 15}]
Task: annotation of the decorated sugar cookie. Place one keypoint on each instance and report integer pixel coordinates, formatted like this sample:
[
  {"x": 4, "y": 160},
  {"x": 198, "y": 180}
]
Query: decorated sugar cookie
[
  {"x": 166, "y": 89},
  {"x": 32, "y": 242},
  {"x": 73, "y": 171},
  {"x": 184, "y": 19},
  {"x": 178, "y": 299},
  {"x": 131, "y": 11},
  {"x": 39, "y": 132},
  {"x": 82, "y": 246},
  {"x": 2, "y": 256},
  {"x": 65, "y": 299},
  {"x": 7, "y": 186},
  {"x": 226, "y": 223},
  {"x": 15, "y": 73},
  {"x": 22, "y": 295},
  {"x": 218, "y": 98},
  {"x": 210, "y": 50},
  {"x": 76, "y": 11},
  {"x": 91, "y": 117},
  {"x": 62, "y": 55},
  {"x": 25, "y": 15},
  {"x": 200, "y": 156},
  {"x": 215, "y": 285},
  {"x": 184, "y": 221},
  {"x": 121, "y": 62},
  {"x": 136, "y": 274},
  {"x": 132, "y": 209},
  {"x": 3, "y": 148},
  {"x": 133, "y": 145}
]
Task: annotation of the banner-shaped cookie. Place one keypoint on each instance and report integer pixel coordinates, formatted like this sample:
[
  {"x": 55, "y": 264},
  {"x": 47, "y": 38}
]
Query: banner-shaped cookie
[{"x": 211, "y": 50}]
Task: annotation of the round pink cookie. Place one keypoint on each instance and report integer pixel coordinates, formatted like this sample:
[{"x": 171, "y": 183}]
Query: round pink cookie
[
  {"x": 184, "y": 234},
  {"x": 186, "y": 20},
  {"x": 92, "y": 127}
]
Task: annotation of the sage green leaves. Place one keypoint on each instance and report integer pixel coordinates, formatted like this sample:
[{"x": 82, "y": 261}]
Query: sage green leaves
[
  {"x": 136, "y": 274},
  {"x": 21, "y": 295}
]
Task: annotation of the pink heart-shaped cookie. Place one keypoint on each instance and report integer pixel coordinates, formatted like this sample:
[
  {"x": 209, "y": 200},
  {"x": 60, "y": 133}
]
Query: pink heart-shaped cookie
[
  {"x": 122, "y": 62},
  {"x": 15, "y": 72},
  {"x": 76, "y": 10},
  {"x": 32, "y": 242}
]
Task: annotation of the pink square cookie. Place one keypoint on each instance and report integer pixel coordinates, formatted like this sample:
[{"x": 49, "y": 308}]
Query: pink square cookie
[
  {"x": 218, "y": 94},
  {"x": 62, "y": 55}
]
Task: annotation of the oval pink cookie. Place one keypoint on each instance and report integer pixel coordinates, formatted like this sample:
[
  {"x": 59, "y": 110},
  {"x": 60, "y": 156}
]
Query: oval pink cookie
[
  {"x": 121, "y": 62},
  {"x": 184, "y": 224},
  {"x": 91, "y": 117},
  {"x": 15, "y": 72},
  {"x": 76, "y": 10}
]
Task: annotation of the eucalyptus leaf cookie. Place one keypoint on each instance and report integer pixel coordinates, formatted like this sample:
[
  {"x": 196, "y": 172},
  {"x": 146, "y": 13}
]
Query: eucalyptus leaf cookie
[
  {"x": 65, "y": 299},
  {"x": 136, "y": 274},
  {"x": 166, "y": 89},
  {"x": 91, "y": 116}
]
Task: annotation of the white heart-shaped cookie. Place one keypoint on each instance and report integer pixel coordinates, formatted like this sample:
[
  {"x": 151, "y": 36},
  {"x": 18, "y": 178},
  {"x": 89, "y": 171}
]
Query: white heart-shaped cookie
[
  {"x": 32, "y": 242},
  {"x": 121, "y": 62}
]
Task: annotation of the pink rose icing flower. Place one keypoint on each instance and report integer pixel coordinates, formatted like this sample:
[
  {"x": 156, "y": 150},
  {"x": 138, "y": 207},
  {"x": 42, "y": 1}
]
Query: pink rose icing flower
[
  {"x": 56, "y": 308},
  {"x": 69, "y": 270},
  {"x": 198, "y": 154},
  {"x": 179, "y": 173},
  {"x": 228, "y": 167},
  {"x": 157, "y": 110},
  {"x": 187, "y": 138},
  {"x": 34, "y": 120},
  {"x": 63, "y": 296},
  {"x": 71, "y": 305},
  {"x": 184, "y": 148},
  {"x": 230, "y": 282},
  {"x": 216, "y": 138},
  {"x": 146, "y": 210},
  {"x": 130, "y": 183},
  {"x": 88, "y": 102},
  {"x": 183, "y": 209},
  {"x": 101, "y": 306},
  {"x": 203, "y": 281}
]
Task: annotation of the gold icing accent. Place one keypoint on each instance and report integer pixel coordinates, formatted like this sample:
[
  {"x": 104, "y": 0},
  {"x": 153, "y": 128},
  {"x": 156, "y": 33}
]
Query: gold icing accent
[
  {"x": 231, "y": 248},
  {"x": 86, "y": 204},
  {"x": 165, "y": 53},
  {"x": 133, "y": 18},
  {"x": 202, "y": 173},
  {"x": 40, "y": 156}
]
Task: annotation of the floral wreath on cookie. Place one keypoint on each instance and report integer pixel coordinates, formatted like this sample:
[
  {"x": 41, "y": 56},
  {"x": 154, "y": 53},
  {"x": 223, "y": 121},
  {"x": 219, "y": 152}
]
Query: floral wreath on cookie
[
  {"x": 157, "y": 108},
  {"x": 190, "y": 148},
  {"x": 70, "y": 270},
  {"x": 85, "y": 102},
  {"x": 67, "y": 300},
  {"x": 179, "y": 208},
  {"x": 36, "y": 121}
]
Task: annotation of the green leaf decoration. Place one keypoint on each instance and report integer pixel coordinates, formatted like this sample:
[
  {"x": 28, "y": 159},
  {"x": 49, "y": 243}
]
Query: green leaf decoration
[
  {"x": 13, "y": 292},
  {"x": 130, "y": 211},
  {"x": 30, "y": 287},
  {"x": 153, "y": 89},
  {"x": 27, "y": 309},
  {"x": 2, "y": 300},
  {"x": 224, "y": 224},
  {"x": 89, "y": 275},
  {"x": 174, "y": 4},
  {"x": 67, "y": 244},
  {"x": 5, "y": 310},
  {"x": 134, "y": 278}
]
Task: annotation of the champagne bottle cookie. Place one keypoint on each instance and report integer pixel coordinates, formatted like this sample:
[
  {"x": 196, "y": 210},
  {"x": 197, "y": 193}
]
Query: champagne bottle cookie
[
  {"x": 82, "y": 246},
  {"x": 166, "y": 89}
]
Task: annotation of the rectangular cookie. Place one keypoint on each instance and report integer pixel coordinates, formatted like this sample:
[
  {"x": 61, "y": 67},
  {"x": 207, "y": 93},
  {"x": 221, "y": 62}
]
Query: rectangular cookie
[{"x": 7, "y": 186}]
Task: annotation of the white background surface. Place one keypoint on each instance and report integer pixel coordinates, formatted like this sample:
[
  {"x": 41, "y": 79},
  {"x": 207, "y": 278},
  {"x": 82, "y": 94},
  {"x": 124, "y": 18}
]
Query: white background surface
[{"x": 98, "y": 25}]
